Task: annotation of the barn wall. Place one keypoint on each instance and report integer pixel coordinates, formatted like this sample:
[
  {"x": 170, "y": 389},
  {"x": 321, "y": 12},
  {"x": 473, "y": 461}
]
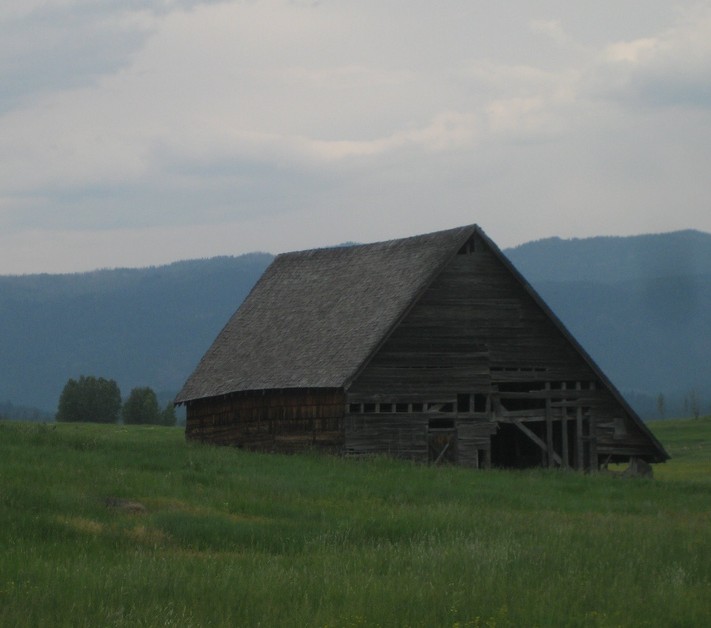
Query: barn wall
[
  {"x": 425, "y": 436},
  {"x": 473, "y": 328},
  {"x": 398, "y": 435},
  {"x": 280, "y": 421},
  {"x": 477, "y": 334}
]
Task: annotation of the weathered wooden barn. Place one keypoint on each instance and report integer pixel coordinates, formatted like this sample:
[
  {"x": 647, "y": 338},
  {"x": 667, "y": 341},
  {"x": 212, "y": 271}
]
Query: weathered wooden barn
[{"x": 431, "y": 348}]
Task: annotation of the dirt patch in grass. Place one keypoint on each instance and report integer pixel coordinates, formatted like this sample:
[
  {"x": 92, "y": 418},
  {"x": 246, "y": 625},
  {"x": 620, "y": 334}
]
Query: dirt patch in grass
[{"x": 125, "y": 505}]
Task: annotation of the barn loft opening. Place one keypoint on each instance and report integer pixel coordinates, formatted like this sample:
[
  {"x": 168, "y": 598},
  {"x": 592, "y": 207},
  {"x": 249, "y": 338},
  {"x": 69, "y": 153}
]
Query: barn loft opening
[{"x": 468, "y": 248}]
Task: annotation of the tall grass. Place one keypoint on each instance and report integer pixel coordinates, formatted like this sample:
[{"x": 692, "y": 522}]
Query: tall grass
[{"x": 227, "y": 537}]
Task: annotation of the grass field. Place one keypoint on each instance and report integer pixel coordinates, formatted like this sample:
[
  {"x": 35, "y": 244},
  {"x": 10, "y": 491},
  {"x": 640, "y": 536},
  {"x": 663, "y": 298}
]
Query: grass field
[{"x": 211, "y": 536}]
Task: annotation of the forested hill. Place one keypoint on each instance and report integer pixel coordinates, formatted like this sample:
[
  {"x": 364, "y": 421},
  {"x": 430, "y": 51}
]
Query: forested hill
[
  {"x": 613, "y": 259},
  {"x": 640, "y": 305},
  {"x": 144, "y": 327}
]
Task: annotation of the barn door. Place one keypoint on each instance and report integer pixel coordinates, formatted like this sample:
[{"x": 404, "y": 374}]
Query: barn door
[{"x": 442, "y": 442}]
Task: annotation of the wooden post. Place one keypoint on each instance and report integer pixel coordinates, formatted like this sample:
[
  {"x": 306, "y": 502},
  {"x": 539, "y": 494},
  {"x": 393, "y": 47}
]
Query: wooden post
[
  {"x": 549, "y": 426},
  {"x": 594, "y": 466},
  {"x": 579, "y": 455},
  {"x": 564, "y": 432}
]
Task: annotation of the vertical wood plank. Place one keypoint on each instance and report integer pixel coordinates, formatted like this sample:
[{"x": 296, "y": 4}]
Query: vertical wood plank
[
  {"x": 579, "y": 456},
  {"x": 549, "y": 427},
  {"x": 564, "y": 433},
  {"x": 593, "y": 437}
]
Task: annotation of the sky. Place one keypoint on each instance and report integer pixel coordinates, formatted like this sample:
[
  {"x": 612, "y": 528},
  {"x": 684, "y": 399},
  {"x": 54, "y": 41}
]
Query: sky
[{"x": 140, "y": 133}]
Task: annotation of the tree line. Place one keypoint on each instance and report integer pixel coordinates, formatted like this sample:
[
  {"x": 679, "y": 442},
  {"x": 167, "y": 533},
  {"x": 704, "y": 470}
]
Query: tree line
[{"x": 98, "y": 400}]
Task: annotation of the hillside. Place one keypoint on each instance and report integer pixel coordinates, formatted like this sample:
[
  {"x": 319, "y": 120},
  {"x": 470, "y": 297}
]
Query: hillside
[
  {"x": 640, "y": 305},
  {"x": 612, "y": 259},
  {"x": 140, "y": 327}
]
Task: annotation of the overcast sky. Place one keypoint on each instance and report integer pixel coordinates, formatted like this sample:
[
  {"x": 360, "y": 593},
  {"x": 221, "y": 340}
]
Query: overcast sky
[{"x": 142, "y": 132}]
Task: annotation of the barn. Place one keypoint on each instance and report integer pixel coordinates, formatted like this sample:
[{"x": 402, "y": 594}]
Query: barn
[{"x": 432, "y": 348}]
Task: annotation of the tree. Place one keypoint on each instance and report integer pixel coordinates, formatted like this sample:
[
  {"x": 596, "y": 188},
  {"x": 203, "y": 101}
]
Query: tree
[
  {"x": 90, "y": 399},
  {"x": 168, "y": 415},
  {"x": 694, "y": 403},
  {"x": 142, "y": 407}
]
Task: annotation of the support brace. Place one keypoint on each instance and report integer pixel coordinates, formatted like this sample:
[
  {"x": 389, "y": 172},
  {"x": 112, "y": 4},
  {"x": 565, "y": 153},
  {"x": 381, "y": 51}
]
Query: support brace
[{"x": 538, "y": 441}]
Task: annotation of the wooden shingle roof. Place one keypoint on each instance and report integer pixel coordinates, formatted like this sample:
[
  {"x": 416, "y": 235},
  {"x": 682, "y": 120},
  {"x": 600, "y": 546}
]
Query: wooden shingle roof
[{"x": 315, "y": 317}]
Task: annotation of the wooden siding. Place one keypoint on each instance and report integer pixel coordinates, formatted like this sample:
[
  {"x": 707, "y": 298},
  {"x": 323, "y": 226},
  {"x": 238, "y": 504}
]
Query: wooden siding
[
  {"x": 279, "y": 421},
  {"x": 409, "y": 435},
  {"x": 474, "y": 442},
  {"x": 397, "y": 435},
  {"x": 473, "y": 328},
  {"x": 476, "y": 331}
]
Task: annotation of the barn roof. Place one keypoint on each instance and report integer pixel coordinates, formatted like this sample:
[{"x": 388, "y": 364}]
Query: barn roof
[{"x": 315, "y": 317}]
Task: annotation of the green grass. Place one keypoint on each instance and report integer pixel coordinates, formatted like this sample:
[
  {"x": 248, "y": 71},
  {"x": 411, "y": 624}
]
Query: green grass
[{"x": 235, "y": 538}]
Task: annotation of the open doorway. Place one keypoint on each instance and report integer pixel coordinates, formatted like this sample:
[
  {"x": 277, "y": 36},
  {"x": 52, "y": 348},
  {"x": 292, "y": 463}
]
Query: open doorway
[
  {"x": 442, "y": 441},
  {"x": 512, "y": 449},
  {"x": 524, "y": 444}
]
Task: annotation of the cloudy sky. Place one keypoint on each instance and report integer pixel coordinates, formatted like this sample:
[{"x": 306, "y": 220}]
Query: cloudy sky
[{"x": 141, "y": 132}]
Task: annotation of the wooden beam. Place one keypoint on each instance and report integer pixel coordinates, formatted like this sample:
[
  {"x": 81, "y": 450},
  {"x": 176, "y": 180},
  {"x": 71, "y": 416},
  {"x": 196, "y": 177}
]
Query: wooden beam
[
  {"x": 579, "y": 455},
  {"x": 549, "y": 428},
  {"x": 564, "y": 434},
  {"x": 593, "y": 438},
  {"x": 534, "y": 437},
  {"x": 441, "y": 453},
  {"x": 522, "y": 415}
]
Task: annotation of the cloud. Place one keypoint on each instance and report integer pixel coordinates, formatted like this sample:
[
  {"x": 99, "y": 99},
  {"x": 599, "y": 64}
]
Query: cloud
[
  {"x": 49, "y": 45},
  {"x": 552, "y": 29},
  {"x": 409, "y": 116},
  {"x": 669, "y": 69}
]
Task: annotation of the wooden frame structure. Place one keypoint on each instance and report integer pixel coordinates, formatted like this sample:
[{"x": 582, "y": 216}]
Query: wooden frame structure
[{"x": 431, "y": 348}]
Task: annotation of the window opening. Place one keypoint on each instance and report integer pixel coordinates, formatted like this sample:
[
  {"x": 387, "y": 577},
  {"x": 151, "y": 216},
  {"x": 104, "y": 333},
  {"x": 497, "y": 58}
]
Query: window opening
[
  {"x": 468, "y": 248},
  {"x": 514, "y": 405},
  {"x": 463, "y": 402},
  {"x": 479, "y": 402},
  {"x": 441, "y": 424}
]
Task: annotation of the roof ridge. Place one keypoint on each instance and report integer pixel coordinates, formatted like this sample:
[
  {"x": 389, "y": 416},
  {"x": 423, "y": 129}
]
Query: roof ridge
[{"x": 379, "y": 243}]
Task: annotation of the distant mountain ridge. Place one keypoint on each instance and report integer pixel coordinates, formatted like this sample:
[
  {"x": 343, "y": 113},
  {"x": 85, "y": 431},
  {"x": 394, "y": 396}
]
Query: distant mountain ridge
[
  {"x": 615, "y": 258},
  {"x": 142, "y": 327},
  {"x": 640, "y": 305}
]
